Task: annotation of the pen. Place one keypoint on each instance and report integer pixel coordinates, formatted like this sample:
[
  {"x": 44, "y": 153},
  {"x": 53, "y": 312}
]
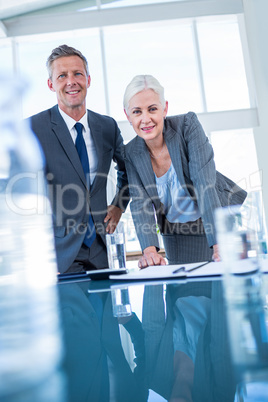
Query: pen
[
  {"x": 178, "y": 270},
  {"x": 189, "y": 270}
]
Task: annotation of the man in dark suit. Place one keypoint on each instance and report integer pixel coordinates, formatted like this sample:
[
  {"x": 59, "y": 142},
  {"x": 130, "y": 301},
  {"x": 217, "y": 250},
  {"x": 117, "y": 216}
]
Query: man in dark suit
[{"x": 77, "y": 184}]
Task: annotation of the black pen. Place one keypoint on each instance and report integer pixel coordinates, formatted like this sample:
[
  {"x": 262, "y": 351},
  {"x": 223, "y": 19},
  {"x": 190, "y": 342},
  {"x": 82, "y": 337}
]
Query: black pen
[
  {"x": 183, "y": 269},
  {"x": 178, "y": 270}
]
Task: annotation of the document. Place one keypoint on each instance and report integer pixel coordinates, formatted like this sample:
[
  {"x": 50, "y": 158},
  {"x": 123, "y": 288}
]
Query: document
[
  {"x": 194, "y": 270},
  {"x": 163, "y": 271}
]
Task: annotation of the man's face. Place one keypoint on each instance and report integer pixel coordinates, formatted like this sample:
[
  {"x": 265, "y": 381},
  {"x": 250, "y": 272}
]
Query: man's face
[{"x": 70, "y": 82}]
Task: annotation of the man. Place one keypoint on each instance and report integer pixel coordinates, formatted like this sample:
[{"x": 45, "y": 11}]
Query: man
[{"x": 78, "y": 159}]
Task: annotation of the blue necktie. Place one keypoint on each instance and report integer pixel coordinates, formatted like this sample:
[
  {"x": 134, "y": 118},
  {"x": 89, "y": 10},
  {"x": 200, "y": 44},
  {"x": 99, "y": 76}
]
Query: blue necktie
[{"x": 90, "y": 235}]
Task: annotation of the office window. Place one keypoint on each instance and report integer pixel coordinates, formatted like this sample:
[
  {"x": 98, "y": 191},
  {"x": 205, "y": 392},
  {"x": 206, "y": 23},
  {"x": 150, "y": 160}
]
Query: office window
[
  {"x": 33, "y": 53},
  {"x": 222, "y": 64},
  {"x": 164, "y": 50},
  {"x": 235, "y": 157}
]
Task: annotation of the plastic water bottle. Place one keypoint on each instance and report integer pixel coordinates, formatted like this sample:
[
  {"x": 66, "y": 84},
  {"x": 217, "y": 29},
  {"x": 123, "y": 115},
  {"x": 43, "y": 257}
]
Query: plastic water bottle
[
  {"x": 244, "y": 296},
  {"x": 30, "y": 339}
]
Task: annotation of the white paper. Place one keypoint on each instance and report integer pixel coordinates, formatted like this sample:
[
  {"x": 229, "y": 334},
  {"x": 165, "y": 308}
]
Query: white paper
[
  {"x": 159, "y": 272},
  {"x": 210, "y": 269}
]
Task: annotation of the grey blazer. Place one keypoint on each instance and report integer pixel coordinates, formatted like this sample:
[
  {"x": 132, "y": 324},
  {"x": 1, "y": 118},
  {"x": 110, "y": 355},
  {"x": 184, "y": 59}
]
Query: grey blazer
[
  {"x": 70, "y": 198},
  {"x": 193, "y": 160}
]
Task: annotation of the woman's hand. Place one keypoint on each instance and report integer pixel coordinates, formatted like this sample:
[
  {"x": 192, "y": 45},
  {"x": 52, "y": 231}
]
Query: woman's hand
[
  {"x": 216, "y": 254},
  {"x": 150, "y": 257}
]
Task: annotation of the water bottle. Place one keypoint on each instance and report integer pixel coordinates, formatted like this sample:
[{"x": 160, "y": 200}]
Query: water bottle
[
  {"x": 30, "y": 339},
  {"x": 244, "y": 294},
  {"x": 116, "y": 248}
]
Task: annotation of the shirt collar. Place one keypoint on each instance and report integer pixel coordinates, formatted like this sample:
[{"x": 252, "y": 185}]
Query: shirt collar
[{"x": 70, "y": 122}]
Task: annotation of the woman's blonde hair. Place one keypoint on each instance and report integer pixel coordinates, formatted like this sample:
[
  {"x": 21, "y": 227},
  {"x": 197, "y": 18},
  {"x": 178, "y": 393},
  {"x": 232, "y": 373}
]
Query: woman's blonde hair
[{"x": 138, "y": 84}]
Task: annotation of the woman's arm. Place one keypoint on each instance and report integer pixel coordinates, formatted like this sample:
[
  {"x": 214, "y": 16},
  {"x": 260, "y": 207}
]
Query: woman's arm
[
  {"x": 202, "y": 173},
  {"x": 142, "y": 209}
]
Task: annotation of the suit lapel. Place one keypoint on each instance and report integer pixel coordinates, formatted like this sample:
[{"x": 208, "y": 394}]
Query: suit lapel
[
  {"x": 61, "y": 131},
  {"x": 174, "y": 150},
  {"x": 178, "y": 153},
  {"x": 142, "y": 160}
]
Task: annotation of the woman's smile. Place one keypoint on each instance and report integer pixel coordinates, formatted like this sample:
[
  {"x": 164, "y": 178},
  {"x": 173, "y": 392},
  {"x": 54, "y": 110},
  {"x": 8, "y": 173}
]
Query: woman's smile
[{"x": 146, "y": 114}]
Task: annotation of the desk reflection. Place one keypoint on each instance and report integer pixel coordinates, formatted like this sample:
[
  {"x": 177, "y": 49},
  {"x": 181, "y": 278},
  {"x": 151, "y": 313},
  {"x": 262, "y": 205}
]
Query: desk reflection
[
  {"x": 186, "y": 343},
  {"x": 189, "y": 342},
  {"x": 180, "y": 350},
  {"x": 95, "y": 362}
]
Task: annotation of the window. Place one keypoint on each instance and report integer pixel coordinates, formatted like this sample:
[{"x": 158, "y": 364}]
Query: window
[
  {"x": 33, "y": 53},
  {"x": 160, "y": 49},
  {"x": 222, "y": 64},
  {"x": 235, "y": 157}
]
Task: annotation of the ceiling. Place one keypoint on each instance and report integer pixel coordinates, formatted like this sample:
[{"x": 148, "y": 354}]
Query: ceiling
[
  {"x": 29, "y": 17},
  {"x": 14, "y": 8}
]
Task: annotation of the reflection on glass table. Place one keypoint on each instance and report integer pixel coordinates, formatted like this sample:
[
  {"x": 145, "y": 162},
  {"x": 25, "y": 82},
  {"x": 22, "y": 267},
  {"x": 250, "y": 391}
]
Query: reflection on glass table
[{"x": 181, "y": 342}]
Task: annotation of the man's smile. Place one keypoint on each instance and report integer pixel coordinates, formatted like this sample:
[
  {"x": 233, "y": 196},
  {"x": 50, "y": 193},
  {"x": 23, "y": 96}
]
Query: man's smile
[{"x": 72, "y": 92}]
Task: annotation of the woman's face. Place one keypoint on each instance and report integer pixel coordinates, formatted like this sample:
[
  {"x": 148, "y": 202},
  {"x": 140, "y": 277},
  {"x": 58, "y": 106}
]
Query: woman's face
[{"x": 146, "y": 114}]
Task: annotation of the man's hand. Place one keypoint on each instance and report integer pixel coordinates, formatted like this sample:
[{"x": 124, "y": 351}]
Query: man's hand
[
  {"x": 113, "y": 216},
  {"x": 150, "y": 257},
  {"x": 216, "y": 254}
]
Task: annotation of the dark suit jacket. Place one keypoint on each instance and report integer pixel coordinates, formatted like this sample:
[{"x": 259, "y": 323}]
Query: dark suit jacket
[
  {"x": 70, "y": 198},
  {"x": 193, "y": 160}
]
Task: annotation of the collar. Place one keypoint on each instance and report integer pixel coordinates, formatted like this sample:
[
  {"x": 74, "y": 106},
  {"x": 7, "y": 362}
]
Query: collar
[{"x": 70, "y": 122}]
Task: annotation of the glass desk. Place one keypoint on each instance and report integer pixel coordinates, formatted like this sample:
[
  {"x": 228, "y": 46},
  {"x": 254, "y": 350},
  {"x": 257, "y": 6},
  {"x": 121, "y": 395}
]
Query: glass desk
[{"x": 177, "y": 341}]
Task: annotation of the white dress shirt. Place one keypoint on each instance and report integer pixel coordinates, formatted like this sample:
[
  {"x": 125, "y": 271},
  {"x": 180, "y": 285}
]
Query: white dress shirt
[{"x": 91, "y": 149}]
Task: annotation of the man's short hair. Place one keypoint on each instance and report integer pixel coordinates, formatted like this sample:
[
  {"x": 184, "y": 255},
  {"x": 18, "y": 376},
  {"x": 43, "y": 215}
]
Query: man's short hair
[{"x": 64, "y": 51}]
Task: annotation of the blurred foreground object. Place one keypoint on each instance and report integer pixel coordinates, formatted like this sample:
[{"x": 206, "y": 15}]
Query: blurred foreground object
[{"x": 30, "y": 339}]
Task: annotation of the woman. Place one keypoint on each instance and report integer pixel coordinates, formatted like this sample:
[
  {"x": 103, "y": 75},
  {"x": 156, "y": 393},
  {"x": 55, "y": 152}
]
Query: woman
[{"x": 172, "y": 176}]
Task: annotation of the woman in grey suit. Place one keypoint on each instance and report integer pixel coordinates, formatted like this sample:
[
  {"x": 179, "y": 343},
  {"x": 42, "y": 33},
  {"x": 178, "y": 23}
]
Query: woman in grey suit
[{"x": 172, "y": 177}]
